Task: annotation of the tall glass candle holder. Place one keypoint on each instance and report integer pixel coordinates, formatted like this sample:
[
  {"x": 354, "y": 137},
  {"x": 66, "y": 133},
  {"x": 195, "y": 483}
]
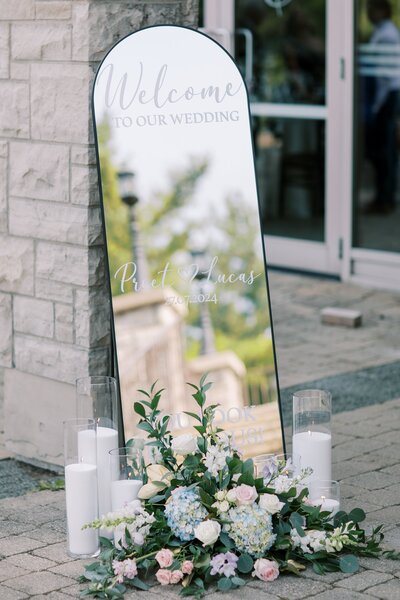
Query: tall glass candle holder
[
  {"x": 81, "y": 487},
  {"x": 126, "y": 466},
  {"x": 312, "y": 437},
  {"x": 97, "y": 398},
  {"x": 325, "y": 494}
]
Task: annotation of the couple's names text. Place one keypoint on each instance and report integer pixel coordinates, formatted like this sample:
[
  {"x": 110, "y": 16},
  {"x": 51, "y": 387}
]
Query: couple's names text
[{"x": 126, "y": 273}]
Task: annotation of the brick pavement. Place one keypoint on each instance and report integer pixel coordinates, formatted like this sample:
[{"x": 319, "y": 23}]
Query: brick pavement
[{"x": 366, "y": 459}]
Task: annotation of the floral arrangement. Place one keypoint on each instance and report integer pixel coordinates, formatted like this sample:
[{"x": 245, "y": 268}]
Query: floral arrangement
[{"x": 204, "y": 518}]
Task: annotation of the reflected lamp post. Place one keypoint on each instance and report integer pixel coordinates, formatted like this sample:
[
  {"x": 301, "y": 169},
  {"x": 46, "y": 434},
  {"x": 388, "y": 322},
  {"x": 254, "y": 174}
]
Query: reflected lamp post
[
  {"x": 128, "y": 195},
  {"x": 200, "y": 258}
]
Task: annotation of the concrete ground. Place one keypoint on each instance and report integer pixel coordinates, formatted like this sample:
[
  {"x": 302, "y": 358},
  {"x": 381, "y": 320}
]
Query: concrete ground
[{"x": 361, "y": 368}]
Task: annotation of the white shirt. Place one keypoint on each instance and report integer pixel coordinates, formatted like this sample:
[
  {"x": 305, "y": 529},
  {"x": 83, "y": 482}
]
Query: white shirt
[{"x": 386, "y": 33}]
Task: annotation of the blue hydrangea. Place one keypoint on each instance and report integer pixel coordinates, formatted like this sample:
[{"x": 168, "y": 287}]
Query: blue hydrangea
[
  {"x": 184, "y": 512},
  {"x": 250, "y": 527}
]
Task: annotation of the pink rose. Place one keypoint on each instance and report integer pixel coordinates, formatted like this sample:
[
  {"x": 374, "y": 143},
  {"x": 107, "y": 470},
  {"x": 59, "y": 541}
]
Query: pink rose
[
  {"x": 266, "y": 570},
  {"x": 176, "y": 576},
  {"x": 130, "y": 568},
  {"x": 163, "y": 576},
  {"x": 165, "y": 558},
  {"x": 187, "y": 567},
  {"x": 245, "y": 494}
]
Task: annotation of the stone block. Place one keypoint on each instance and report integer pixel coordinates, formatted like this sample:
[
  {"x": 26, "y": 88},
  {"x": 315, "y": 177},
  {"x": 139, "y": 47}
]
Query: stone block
[
  {"x": 361, "y": 581},
  {"x": 34, "y": 427},
  {"x": 3, "y": 149},
  {"x": 17, "y": 544},
  {"x": 41, "y": 583},
  {"x": 53, "y": 10},
  {"x": 83, "y": 155},
  {"x": 14, "y": 109},
  {"x": 344, "y": 317},
  {"x": 17, "y": 9},
  {"x": 60, "y": 102},
  {"x": 56, "y": 552},
  {"x": 4, "y": 51},
  {"x": 84, "y": 185},
  {"x": 39, "y": 171},
  {"x": 80, "y": 31},
  {"x": 51, "y": 221},
  {"x": 30, "y": 563},
  {"x": 8, "y": 570},
  {"x": 9, "y": 593},
  {"x": 33, "y": 316},
  {"x": 51, "y": 359},
  {"x": 41, "y": 41},
  {"x": 92, "y": 316},
  {"x": 16, "y": 265},
  {"x": 3, "y": 195},
  {"x": 386, "y": 591},
  {"x": 64, "y": 323},
  {"x": 60, "y": 262},
  {"x": 19, "y": 70},
  {"x": 53, "y": 290},
  {"x": 6, "y": 330},
  {"x": 295, "y": 588}
]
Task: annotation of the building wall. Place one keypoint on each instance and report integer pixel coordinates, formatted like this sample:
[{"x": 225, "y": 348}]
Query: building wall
[{"x": 54, "y": 309}]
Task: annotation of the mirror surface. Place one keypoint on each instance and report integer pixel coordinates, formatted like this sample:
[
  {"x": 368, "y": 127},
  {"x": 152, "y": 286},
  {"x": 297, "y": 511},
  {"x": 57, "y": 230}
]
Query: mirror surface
[{"x": 183, "y": 235}]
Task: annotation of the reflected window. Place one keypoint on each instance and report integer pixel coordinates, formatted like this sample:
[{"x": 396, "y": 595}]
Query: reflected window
[
  {"x": 377, "y": 122},
  {"x": 288, "y": 62},
  {"x": 290, "y": 159}
]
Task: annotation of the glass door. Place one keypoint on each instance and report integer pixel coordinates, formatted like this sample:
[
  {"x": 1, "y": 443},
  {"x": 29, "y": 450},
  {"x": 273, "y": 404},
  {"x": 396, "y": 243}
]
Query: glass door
[
  {"x": 375, "y": 251},
  {"x": 283, "y": 48}
]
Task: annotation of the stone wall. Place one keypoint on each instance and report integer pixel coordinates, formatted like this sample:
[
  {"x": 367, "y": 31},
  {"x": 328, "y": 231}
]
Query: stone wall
[{"x": 54, "y": 309}]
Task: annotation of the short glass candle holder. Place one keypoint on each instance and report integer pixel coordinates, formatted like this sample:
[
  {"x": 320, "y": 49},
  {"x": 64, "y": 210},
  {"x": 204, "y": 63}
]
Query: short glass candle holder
[
  {"x": 81, "y": 487},
  {"x": 312, "y": 437},
  {"x": 96, "y": 398},
  {"x": 126, "y": 465},
  {"x": 269, "y": 466},
  {"x": 325, "y": 494}
]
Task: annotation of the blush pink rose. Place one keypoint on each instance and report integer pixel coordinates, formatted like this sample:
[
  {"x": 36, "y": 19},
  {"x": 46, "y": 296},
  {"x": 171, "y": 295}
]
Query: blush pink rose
[
  {"x": 187, "y": 567},
  {"x": 245, "y": 494},
  {"x": 266, "y": 570},
  {"x": 176, "y": 576},
  {"x": 163, "y": 576},
  {"x": 165, "y": 558}
]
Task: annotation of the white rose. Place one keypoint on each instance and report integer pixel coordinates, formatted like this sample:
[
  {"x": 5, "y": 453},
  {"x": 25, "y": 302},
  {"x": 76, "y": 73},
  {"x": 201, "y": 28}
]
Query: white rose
[
  {"x": 208, "y": 532},
  {"x": 220, "y": 495},
  {"x": 270, "y": 503},
  {"x": 184, "y": 444},
  {"x": 223, "y": 506},
  {"x": 231, "y": 496}
]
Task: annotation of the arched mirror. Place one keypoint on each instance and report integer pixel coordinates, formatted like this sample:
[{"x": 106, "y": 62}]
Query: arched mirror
[{"x": 185, "y": 254}]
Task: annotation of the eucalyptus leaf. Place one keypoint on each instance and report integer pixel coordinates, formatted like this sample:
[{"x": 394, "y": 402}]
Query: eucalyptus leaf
[
  {"x": 357, "y": 515},
  {"x": 349, "y": 563},
  {"x": 224, "y": 584},
  {"x": 245, "y": 563}
]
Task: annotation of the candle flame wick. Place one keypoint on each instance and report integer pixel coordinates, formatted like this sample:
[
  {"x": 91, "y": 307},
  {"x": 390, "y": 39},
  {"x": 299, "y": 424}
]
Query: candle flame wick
[
  {"x": 323, "y": 498},
  {"x": 309, "y": 432}
]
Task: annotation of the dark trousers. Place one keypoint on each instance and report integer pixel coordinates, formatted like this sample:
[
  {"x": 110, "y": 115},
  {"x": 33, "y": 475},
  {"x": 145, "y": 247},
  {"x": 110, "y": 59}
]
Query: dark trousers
[{"x": 382, "y": 150}]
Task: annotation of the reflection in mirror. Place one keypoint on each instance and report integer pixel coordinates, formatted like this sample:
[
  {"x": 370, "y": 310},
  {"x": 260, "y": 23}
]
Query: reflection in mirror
[{"x": 183, "y": 235}]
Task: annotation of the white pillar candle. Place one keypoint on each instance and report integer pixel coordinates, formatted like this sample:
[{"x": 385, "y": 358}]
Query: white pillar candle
[
  {"x": 327, "y": 504},
  {"x": 313, "y": 449},
  {"x": 107, "y": 439},
  {"x": 81, "y": 501},
  {"x": 87, "y": 446},
  {"x": 124, "y": 491}
]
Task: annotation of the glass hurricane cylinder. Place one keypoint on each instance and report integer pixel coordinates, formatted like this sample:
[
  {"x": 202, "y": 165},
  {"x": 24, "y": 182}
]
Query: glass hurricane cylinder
[
  {"x": 81, "y": 487},
  {"x": 312, "y": 437},
  {"x": 325, "y": 494},
  {"x": 97, "y": 398},
  {"x": 126, "y": 465}
]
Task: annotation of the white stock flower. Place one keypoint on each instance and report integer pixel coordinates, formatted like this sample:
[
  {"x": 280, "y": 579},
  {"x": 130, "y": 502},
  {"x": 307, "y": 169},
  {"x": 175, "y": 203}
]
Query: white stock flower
[
  {"x": 215, "y": 460},
  {"x": 184, "y": 444},
  {"x": 271, "y": 503},
  {"x": 208, "y": 532}
]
